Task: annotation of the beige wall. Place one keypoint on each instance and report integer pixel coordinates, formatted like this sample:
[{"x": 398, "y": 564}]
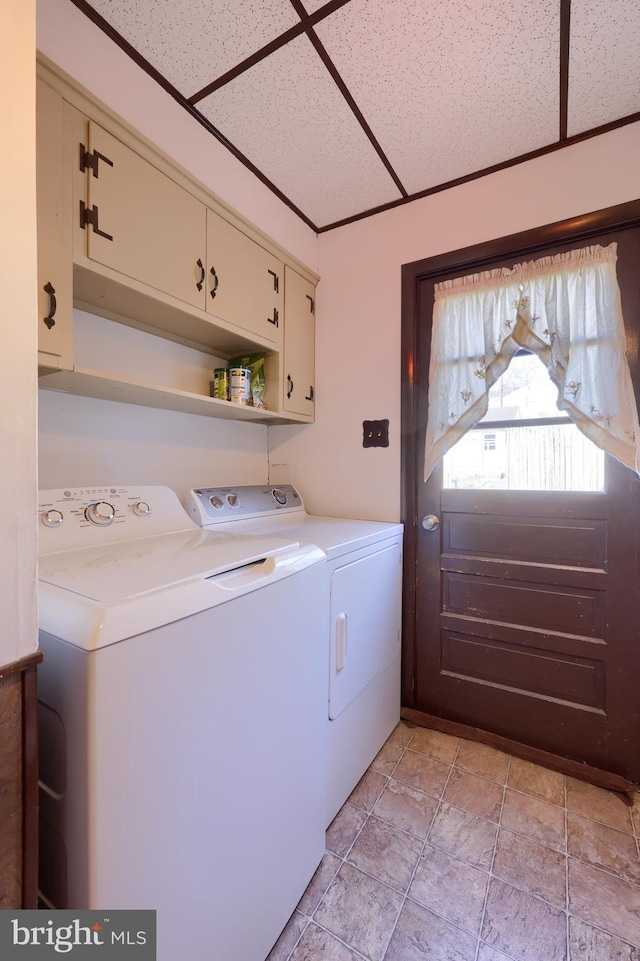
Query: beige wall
[
  {"x": 358, "y": 337},
  {"x": 18, "y": 636}
]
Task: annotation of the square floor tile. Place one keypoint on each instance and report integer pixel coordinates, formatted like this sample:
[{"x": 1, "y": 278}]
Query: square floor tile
[
  {"x": 475, "y": 794},
  {"x": 450, "y": 887},
  {"x": 483, "y": 760},
  {"x": 386, "y": 853},
  {"x": 532, "y": 867},
  {"x": 444, "y": 747},
  {"x": 324, "y": 875},
  {"x": 587, "y": 943},
  {"x": 487, "y": 953},
  {"x": 367, "y": 790},
  {"x": 402, "y": 733},
  {"x": 603, "y": 847},
  {"x": 599, "y": 805},
  {"x": 360, "y": 910},
  {"x": 344, "y": 829},
  {"x": 405, "y": 808},
  {"x": 536, "y": 780},
  {"x": 535, "y": 818},
  {"x": 316, "y": 943},
  {"x": 523, "y": 926},
  {"x": 387, "y": 758},
  {"x": 422, "y": 936},
  {"x": 422, "y": 772},
  {"x": 464, "y": 835},
  {"x": 605, "y": 901}
]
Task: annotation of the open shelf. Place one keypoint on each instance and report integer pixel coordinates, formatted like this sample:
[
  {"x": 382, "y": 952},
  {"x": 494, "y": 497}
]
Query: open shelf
[{"x": 84, "y": 382}]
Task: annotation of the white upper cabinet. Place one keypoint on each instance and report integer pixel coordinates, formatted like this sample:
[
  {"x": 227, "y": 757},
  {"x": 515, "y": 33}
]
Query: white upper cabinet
[
  {"x": 55, "y": 289},
  {"x": 299, "y": 344},
  {"x": 127, "y": 235},
  {"x": 244, "y": 281},
  {"x": 139, "y": 222}
]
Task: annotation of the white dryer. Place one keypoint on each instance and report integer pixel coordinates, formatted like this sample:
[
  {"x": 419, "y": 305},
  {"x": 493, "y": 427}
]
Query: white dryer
[
  {"x": 182, "y": 736},
  {"x": 364, "y": 599}
]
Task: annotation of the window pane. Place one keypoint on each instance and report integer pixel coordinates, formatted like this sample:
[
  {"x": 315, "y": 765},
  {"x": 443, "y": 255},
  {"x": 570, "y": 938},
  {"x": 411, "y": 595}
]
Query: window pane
[
  {"x": 549, "y": 457},
  {"x": 525, "y": 391}
]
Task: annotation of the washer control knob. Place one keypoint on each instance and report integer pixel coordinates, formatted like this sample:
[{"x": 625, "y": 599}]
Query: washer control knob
[
  {"x": 216, "y": 502},
  {"x": 279, "y": 496},
  {"x": 52, "y": 518},
  {"x": 232, "y": 500},
  {"x": 100, "y": 513},
  {"x": 141, "y": 509}
]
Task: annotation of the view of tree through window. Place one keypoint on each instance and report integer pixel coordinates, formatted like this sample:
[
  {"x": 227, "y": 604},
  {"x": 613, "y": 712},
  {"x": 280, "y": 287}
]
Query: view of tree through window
[{"x": 508, "y": 450}]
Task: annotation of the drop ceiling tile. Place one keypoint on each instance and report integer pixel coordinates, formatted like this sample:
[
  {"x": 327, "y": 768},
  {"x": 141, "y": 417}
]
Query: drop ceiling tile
[
  {"x": 288, "y": 117},
  {"x": 312, "y": 5},
  {"x": 604, "y": 64},
  {"x": 193, "y": 43},
  {"x": 450, "y": 87}
]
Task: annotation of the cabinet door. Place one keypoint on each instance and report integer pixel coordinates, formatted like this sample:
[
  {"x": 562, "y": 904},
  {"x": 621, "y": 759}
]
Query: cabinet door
[
  {"x": 144, "y": 224},
  {"x": 244, "y": 281},
  {"x": 299, "y": 341},
  {"x": 55, "y": 271}
]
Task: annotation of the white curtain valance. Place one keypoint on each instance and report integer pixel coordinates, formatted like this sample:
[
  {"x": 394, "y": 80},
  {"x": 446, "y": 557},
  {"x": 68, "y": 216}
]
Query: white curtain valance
[{"x": 566, "y": 309}]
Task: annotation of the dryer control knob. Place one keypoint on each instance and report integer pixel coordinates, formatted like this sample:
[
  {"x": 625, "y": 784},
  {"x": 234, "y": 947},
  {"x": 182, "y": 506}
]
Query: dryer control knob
[
  {"x": 217, "y": 502},
  {"x": 100, "y": 513},
  {"x": 232, "y": 500},
  {"x": 279, "y": 496},
  {"x": 141, "y": 509},
  {"x": 52, "y": 518}
]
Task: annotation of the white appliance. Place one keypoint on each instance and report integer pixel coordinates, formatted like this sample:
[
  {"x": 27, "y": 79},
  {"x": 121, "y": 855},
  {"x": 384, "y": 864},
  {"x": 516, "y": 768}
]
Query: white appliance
[
  {"x": 363, "y": 595},
  {"x": 182, "y": 699}
]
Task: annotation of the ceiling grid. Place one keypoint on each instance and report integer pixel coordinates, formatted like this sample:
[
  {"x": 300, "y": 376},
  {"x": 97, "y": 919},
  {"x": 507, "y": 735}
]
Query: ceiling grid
[{"x": 347, "y": 107}]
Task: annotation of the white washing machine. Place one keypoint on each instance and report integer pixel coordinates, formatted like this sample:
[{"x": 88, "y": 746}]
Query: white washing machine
[
  {"x": 364, "y": 598},
  {"x": 182, "y": 719}
]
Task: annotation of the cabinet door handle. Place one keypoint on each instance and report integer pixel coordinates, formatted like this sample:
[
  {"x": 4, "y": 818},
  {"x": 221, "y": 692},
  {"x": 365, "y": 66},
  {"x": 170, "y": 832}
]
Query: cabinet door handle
[
  {"x": 309, "y": 396},
  {"x": 274, "y": 320},
  {"x": 202, "y": 274},
  {"x": 290, "y": 391},
  {"x": 53, "y": 305},
  {"x": 216, "y": 281}
]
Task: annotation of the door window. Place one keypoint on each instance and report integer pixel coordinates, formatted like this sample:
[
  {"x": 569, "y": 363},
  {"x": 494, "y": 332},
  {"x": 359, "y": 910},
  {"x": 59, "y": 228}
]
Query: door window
[{"x": 524, "y": 442}]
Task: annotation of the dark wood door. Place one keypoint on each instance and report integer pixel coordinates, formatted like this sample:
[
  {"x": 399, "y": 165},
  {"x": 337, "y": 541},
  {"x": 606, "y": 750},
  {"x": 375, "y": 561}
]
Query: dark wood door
[{"x": 522, "y": 615}]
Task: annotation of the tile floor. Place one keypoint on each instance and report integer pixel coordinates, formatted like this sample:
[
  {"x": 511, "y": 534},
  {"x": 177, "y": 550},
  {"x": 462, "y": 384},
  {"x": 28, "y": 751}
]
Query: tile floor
[{"x": 448, "y": 850}]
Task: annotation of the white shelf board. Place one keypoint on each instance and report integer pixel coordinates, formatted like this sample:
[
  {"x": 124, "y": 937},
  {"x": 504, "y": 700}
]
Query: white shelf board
[{"x": 85, "y": 382}]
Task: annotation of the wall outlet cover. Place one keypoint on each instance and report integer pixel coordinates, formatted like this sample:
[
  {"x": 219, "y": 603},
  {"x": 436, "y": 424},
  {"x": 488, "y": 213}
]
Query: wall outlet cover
[{"x": 375, "y": 433}]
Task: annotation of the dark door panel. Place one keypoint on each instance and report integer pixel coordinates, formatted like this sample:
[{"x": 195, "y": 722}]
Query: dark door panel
[{"x": 522, "y": 609}]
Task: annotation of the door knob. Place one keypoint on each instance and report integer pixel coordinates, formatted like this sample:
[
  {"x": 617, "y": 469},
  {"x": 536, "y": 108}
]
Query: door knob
[{"x": 431, "y": 522}]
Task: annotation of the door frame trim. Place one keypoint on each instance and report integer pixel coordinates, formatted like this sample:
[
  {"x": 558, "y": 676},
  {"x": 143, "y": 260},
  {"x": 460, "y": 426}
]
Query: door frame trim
[{"x": 464, "y": 260}]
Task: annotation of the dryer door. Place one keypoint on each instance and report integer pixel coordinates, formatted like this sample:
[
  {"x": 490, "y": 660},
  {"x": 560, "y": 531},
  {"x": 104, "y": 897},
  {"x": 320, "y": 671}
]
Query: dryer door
[{"x": 365, "y": 621}]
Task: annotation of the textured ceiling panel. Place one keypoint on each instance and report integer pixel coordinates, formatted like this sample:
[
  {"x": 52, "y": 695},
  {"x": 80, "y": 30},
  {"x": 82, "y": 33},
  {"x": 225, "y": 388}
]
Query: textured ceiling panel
[
  {"x": 450, "y": 87},
  {"x": 312, "y": 5},
  {"x": 193, "y": 43},
  {"x": 604, "y": 62},
  {"x": 288, "y": 117}
]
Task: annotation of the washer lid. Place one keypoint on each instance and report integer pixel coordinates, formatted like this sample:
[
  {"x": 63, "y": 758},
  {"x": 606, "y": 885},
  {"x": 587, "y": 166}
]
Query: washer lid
[{"x": 128, "y": 569}]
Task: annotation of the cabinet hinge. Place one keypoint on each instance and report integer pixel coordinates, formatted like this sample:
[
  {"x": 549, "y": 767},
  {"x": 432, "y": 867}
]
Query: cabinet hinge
[
  {"x": 276, "y": 281},
  {"x": 274, "y": 320},
  {"x": 90, "y": 216},
  {"x": 312, "y": 304},
  {"x": 91, "y": 160},
  {"x": 309, "y": 396}
]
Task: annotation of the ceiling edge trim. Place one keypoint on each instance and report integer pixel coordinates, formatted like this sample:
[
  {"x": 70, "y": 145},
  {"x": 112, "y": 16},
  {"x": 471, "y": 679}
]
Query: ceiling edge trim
[{"x": 496, "y": 168}]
